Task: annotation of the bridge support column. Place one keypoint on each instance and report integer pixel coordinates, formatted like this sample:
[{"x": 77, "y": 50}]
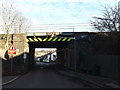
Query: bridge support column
[
  {"x": 75, "y": 55},
  {"x": 31, "y": 56}
]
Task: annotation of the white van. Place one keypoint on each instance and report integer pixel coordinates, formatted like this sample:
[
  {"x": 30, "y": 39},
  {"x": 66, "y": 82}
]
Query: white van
[{"x": 46, "y": 59}]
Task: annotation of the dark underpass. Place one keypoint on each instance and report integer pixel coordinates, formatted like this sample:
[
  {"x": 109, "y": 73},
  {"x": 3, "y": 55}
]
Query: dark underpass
[{"x": 61, "y": 43}]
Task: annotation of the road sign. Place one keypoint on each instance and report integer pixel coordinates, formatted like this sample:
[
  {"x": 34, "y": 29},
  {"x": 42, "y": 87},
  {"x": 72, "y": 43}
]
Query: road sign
[
  {"x": 12, "y": 49},
  {"x": 53, "y": 34}
]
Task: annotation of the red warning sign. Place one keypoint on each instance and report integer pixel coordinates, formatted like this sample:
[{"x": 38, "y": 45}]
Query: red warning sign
[
  {"x": 12, "y": 49},
  {"x": 53, "y": 34}
]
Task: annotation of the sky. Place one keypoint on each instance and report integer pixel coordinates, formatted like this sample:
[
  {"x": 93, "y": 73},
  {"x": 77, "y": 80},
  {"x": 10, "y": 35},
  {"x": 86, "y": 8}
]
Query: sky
[{"x": 61, "y": 11}]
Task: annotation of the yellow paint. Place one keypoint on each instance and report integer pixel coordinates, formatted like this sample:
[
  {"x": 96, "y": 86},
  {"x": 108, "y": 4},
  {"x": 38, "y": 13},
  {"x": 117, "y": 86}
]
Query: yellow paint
[
  {"x": 50, "y": 39},
  {"x": 40, "y": 39},
  {"x": 55, "y": 39},
  {"x": 31, "y": 39},
  {"x": 36, "y": 39},
  {"x": 69, "y": 39},
  {"x": 64, "y": 39},
  {"x": 59, "y": 39},
  {"x": 45, "y": 39}
]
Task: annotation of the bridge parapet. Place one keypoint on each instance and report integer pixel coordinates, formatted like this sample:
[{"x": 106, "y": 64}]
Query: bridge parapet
[{"x": 65, "y": 27}]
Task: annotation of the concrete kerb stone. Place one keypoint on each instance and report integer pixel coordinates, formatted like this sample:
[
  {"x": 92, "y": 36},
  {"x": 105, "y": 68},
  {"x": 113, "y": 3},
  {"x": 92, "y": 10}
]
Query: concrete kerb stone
[{"x": 10, "y": 81}]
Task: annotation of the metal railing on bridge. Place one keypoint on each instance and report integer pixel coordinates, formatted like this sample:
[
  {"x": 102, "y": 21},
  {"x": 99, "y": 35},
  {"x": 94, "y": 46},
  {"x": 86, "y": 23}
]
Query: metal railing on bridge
[{"x": 77, "y": 27}]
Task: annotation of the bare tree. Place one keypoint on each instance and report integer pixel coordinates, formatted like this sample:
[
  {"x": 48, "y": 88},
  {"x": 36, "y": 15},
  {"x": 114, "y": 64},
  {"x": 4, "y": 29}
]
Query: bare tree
[
  {"x": 110, "y": 22},
  {"x": 12, "y": 21}
]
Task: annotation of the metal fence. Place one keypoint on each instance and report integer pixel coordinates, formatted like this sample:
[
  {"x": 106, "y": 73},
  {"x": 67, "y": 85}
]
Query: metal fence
[{"x": 78, "y": 27}]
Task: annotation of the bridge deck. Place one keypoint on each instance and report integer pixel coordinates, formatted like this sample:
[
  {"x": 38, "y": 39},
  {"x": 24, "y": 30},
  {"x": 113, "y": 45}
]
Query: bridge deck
[{"x": 59, "y": 37}]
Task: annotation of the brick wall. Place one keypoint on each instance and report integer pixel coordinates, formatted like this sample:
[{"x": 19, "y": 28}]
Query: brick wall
[
  {"x": 98, "y": 54},
  {"x": 19, "y": 41}
]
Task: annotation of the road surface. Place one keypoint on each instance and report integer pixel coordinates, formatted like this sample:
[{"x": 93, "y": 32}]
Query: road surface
[{"x": 43, "y": 76}]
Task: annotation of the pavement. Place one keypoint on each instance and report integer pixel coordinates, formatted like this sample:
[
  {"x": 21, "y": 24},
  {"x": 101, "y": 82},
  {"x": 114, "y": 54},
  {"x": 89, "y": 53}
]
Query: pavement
[{"x": 96, "y": 80}]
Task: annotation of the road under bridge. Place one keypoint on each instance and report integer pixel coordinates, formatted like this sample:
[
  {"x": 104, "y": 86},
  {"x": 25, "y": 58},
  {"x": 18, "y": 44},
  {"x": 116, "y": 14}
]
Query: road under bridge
[
  {"x": 80, "y": 51},
  {"x": 61, "y": 42}
]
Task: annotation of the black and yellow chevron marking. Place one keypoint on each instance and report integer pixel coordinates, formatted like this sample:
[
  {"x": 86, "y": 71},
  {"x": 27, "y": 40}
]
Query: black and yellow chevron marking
[
  {"x": 39, "y": 39},
  {"x": 35, "y": 39},
  {"x": 45, "y": 39},
  {"x": 30, "y": 39},
  {"x": 55, "y": 39},
  {"x": 51, "y": 39}
]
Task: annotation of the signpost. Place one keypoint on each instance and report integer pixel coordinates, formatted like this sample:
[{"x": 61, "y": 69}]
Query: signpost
[{"x": 12, "y": 51}]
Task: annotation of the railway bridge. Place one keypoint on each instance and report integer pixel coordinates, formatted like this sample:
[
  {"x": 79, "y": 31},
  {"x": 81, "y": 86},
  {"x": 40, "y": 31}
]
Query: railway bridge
[
  {"x": 86, "y": 52},
  {"x": 61, "y": 42}
]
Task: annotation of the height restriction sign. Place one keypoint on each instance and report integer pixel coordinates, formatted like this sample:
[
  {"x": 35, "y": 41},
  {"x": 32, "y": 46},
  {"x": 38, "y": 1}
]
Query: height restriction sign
[{"x": 12, "y": 49}]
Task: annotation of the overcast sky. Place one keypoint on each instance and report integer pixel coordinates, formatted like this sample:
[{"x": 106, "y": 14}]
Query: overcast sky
[{"x": 61, "y": 11}]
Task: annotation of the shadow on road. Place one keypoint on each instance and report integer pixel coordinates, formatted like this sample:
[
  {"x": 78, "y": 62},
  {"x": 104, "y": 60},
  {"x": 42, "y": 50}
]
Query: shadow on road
[{"x": 46, "y": 65}]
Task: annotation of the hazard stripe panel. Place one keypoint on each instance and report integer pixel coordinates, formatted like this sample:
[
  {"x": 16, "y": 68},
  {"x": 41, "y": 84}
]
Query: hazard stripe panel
[
  {"x": 55, "y": 39},
  {"x": 69, "y": 39},
  {"x": 35, "y": 39},
  {"x": 50, "y": 39},
  {"x": 45, "y": 39},
  {"x": 31, "y": 40},
  {"x": 38, "y": 39},
  {"x": 64, "y": 39},
  {"x": 60, "y": 39}
]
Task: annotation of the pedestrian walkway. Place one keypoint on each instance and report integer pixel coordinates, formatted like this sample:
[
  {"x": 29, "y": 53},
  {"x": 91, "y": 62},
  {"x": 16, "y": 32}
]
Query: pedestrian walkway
[{"x": 99, "y": 81}]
